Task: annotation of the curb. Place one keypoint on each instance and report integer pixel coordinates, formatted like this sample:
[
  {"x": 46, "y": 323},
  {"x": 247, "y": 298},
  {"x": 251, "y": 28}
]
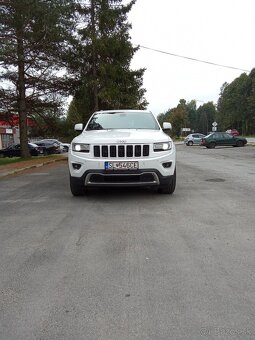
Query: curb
[{"x": 13, "y": 172}]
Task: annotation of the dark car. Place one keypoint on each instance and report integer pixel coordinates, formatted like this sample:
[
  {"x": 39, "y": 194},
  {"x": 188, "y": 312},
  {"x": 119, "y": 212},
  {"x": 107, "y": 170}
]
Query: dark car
[
  {"x": 222, "y": 138},
  {"x": 49, "y": 146},
  {"x": 14, "y": 150},
  {"x": 64, "y": 147}
]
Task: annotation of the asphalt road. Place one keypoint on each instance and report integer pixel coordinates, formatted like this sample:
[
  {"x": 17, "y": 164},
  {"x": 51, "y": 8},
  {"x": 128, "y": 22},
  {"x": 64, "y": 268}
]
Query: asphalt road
[{"x": 128, "y": 263}]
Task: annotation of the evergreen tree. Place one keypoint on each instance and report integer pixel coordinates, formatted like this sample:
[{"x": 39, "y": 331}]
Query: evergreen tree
[
  {"x": 34, "y": 37},
  {"x": 179, "y": 118},
  {"x": 101, "y": 62},
  {"x": 250, "y": 127},
  {"x": 206, "y": 114},
  {"x": 236, "y": 104},
  {"x": 191, "y": 108}
]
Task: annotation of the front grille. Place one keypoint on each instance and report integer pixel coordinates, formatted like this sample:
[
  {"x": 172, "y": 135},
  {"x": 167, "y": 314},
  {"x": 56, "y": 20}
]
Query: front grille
[{"x": 121, "y": 151}]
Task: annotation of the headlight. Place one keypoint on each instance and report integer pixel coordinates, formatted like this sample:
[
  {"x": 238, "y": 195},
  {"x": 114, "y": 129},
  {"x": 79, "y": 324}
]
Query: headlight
[
  {"x": 80, "y": 147},
  {"x": 162, "y": 146}
]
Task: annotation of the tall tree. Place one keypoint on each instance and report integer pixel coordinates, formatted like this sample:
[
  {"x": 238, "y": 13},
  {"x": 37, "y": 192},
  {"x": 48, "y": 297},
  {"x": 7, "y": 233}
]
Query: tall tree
[
  {"x": 236, "y": 104},
  {"x": 34, "y": 37},
  {"x": 179, "y": 118},
  {"x": 206, "y": 114},
  {"x": 103, "y": 60},
  {"x": 251, "y": 103},
  {"x": 191, "y": 108}
]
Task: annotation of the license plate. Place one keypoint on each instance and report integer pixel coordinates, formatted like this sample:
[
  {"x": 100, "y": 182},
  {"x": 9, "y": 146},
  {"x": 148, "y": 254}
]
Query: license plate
[{"x": 121, "y": 165}]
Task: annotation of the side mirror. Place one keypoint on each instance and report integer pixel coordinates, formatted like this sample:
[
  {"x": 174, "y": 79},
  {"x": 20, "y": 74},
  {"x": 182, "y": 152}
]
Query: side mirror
[
  {"x": 78, "y": 127},
  {"x": 167, "y": 126}
]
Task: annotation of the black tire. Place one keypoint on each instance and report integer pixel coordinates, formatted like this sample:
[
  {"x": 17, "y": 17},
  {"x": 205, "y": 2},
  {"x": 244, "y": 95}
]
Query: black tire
[
  {"x": 212, "y": 145},
  {"x": 76, "y": 186},
  {"x": 239, "y": 143},
  {"x": 190, "y": 143},
  {"x": 169, "y": 188}
]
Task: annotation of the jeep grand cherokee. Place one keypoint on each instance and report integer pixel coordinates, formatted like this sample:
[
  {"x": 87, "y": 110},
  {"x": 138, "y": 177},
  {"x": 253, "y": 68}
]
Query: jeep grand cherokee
[{"x": 122, "y": 148}]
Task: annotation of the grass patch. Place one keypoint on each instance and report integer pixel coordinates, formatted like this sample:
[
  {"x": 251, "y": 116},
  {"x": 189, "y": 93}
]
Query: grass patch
[{"x": 7, "y": 160}]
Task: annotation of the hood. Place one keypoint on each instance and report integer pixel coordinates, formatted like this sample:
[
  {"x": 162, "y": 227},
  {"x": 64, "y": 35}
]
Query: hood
[{"x": 122, "y": 136}]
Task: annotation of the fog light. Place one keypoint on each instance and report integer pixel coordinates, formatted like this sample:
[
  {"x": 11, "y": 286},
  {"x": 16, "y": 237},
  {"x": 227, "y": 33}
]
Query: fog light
[
  {"x": 167, "y": 164},
  {"x": 76, "y": 166}
]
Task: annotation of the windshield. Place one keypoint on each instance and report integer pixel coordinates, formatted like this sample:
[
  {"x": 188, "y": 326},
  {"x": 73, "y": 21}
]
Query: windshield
[{"x": 123, "y": 120}]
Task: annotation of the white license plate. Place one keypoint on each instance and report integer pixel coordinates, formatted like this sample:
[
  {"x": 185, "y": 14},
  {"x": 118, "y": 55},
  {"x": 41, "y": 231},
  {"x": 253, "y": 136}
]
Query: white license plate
[{"x": 121, "y": 165}]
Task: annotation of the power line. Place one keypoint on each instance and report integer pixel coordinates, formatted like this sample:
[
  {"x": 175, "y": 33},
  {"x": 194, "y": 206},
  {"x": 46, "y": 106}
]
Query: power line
[{"x": 193, "y": 59}]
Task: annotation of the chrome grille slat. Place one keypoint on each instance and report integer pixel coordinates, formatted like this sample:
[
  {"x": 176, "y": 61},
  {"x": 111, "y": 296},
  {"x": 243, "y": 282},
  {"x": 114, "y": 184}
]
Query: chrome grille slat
[{"x": 121, "y": 151}]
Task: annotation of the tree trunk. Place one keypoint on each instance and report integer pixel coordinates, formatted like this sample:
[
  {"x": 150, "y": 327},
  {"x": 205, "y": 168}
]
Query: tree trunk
[
  {"x": 22, "y": 96},
  {"x": 94, "y": 70}
]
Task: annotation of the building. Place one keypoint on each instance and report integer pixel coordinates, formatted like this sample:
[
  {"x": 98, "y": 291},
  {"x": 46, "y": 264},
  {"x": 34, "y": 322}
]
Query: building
[{"x": 9, "y": 129}]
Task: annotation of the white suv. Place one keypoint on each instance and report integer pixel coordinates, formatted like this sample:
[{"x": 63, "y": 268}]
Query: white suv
[{"x": 122, "y": 148}]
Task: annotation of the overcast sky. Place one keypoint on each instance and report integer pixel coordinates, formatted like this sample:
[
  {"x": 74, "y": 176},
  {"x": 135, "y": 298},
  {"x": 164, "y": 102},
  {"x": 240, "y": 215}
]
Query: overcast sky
[{"x": 217, "y": 31}]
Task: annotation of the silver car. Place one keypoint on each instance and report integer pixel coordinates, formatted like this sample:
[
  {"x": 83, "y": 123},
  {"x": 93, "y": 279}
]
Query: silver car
[{"x": 193, "y": 138}]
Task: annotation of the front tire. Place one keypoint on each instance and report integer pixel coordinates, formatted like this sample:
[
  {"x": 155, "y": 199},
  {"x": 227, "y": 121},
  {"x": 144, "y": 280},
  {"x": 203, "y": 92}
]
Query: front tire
[
  {"x": 169, "y": 188},
  {"x": 239, "y": 143},
  {"x": 212, "y": 145},
  {"x": 190, "y": 143},
  {"x": 76, "y": 186}
]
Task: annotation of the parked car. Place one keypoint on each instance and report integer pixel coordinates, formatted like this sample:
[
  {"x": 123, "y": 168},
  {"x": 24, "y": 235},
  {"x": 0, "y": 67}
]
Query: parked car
[
  {"x": 51, "y": 140},
  {"x": 233, "y": 132},
  {"x": 193, "y": 138},
  {"x": 64, "y": 147},
  {"x": 14, "y": 150},
  {"x": 49, "y": 147},
  {"x": 222, "y": 138}
]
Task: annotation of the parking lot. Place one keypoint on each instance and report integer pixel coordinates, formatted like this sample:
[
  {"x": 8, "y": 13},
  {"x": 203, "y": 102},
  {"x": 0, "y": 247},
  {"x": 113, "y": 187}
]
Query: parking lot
[{"x": 131, "y": 263}]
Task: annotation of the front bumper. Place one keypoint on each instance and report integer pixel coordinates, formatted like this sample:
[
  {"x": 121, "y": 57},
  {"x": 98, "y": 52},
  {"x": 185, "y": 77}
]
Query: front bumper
[
  {"x": 137, "y": 178},
  {"x": 151, "y": 171}
]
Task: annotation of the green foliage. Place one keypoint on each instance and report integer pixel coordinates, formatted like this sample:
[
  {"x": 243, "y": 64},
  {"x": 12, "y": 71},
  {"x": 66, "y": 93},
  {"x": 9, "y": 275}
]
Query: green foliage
[
  {"x": 187, "y": 115},
  {"x": 178, "y": 117},
  {"x": 35, "y": 36},
  {"x": 191, "y": 108},
  {"x": 236, "y": 104},
  {"x": 42, "y": 29},
  {"x": 206, "y": 114},
  {"x": 102, "y": 60},
  {"x": 7, "y": 160}
]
